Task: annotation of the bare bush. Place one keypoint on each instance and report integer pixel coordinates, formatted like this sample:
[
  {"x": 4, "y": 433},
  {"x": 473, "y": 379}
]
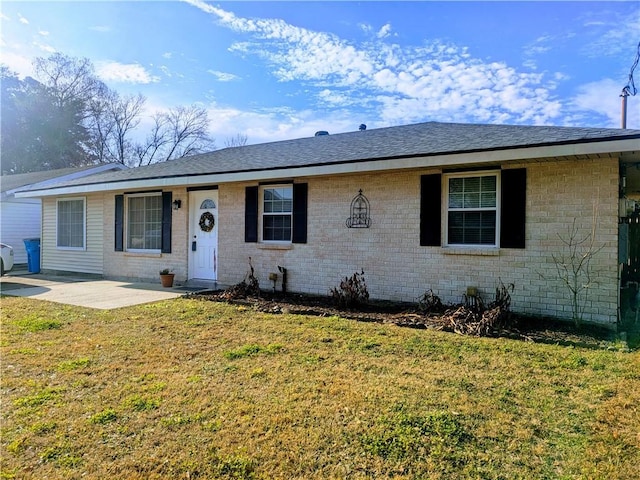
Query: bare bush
[
  {"x": 481, "y": 321},
  {"x": 352, "y": 291}
]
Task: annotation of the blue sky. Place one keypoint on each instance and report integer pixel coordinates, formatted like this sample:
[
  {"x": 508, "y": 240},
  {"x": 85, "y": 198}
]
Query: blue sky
[{"x": 280, "y": 70}]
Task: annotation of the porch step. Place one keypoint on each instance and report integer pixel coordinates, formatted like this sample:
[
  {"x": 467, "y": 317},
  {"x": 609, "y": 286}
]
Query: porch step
[{"x": 197, "y": 285}]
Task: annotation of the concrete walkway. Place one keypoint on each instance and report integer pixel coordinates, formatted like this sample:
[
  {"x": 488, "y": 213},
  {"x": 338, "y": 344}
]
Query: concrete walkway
[{"x": 83, "y": 292}]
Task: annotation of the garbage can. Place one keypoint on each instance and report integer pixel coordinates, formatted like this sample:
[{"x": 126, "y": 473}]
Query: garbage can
[{"x": 33, "y": 254}]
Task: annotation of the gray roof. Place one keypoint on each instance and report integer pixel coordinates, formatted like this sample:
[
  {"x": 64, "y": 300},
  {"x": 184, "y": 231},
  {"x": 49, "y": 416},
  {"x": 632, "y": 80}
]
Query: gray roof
[
  {"x": 423, "y": 139},
  {"x": 48, "y": 177}
]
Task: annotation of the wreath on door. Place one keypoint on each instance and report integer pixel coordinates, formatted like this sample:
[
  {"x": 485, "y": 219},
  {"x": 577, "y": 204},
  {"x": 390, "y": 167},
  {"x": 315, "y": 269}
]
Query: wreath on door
[{"x": 207, "y": 221}]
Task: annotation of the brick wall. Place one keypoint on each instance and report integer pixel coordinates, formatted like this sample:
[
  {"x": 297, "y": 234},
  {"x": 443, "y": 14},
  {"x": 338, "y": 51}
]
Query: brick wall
[
  {"x": 144, "y": 266},
  {"x": 397, "y": 267}
]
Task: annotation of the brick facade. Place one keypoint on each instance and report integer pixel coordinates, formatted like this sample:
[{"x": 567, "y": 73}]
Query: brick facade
[{"x": 396, "y": 266}]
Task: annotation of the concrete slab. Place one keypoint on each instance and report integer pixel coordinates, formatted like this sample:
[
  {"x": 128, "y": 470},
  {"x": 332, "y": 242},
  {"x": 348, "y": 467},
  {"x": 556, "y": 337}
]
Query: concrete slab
[{"x": 99, "y": 294}]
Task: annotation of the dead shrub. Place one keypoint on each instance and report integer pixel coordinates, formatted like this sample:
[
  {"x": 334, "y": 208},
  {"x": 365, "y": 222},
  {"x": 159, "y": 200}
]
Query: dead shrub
[
  {"x": 430, "y": 303},
  {"x": 352, "y": 291},
  {"x": 481, "y": 322},
  {"x": 249, "y": 287}
]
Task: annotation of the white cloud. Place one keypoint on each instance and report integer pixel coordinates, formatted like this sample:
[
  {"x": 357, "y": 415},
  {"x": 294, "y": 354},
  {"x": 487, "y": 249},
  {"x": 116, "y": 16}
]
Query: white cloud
[
  {"x": 365, "y": 27},
  {"x": 615, "y": 35},
  {"x": 23, "y": 20},
  {"x": 124, "y": 73},
  {"x": 44, "y": 47},
  {"x": 276, "y": 124},
  {"x": 603, "y": 98},
  {"x": 385, "y": 31},
  {"x": 223, "y": 76},
  {"x": 100, "y": 28},
  {"x": 43, "y": 33},
  {"x": 20, "y": 64},
  {"x": 406, "y": 84},
  {"x": 167, "y": 55}
]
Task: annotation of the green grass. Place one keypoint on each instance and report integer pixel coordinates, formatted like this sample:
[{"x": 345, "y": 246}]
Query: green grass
[{"x": 194, "y": 389}]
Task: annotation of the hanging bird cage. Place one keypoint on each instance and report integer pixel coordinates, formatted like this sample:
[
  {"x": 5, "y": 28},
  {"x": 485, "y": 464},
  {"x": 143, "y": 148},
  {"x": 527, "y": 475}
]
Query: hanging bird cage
[{"x": 359, "y": 212}]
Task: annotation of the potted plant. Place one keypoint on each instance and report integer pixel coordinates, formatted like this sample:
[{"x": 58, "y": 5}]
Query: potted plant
[{"x": 166, "y": 277}]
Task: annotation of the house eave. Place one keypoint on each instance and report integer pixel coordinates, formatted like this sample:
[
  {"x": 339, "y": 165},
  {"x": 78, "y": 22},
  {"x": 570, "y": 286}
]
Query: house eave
[{"x": 433, "y": 161}]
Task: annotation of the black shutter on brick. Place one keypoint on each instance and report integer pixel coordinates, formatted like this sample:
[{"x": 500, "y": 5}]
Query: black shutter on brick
[
  {"x": 251, "y": 214},
  {"x": 166, "y": 221},
  {"x": 119, "y": 227},
  {"x": 513, "y": 208},
  {"x": 300, "y": 212},
  {"x": 430, "y": 210}
]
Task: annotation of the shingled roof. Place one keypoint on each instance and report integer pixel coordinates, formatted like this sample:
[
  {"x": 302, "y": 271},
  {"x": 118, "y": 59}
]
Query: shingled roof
[
  {"x": 417, "y": 140},
  {"x": 12, "y": 182}
]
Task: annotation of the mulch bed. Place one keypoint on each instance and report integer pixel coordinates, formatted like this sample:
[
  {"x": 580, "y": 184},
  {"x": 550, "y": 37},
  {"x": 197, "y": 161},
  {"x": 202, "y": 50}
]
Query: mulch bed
[{"x": 534, "y": 329}]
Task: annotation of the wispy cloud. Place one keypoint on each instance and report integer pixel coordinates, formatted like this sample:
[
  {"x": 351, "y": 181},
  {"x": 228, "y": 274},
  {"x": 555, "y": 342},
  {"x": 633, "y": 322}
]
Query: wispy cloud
[
  {"x": 125, "y": 73},
  {"x": 385, "y": 31},
  {"x": 275, "y": 124},
  {"x": 223, "y": 76},
  {"x": 100, "y": 28},
  {"x": 23, "y": 20},
  {"x": 615, "y": 34},
  {"x": 20, "y": 64},
  {"x": 603, "y": 98},
  {"x": 439, "y": 81},
  {"x": 44, "y": 47}
]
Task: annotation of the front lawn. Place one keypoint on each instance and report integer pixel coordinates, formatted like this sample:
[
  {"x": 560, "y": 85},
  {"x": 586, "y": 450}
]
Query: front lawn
[{"x": 188, "y": 389}]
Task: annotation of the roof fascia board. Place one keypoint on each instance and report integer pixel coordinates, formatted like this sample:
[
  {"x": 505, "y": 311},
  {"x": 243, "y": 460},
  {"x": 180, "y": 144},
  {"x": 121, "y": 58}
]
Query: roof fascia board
[
  {"x": 426, "y": 161},
  {"x": 69, "y": 176}
]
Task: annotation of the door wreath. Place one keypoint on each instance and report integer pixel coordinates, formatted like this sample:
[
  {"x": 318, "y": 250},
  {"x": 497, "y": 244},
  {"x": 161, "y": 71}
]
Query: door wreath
[{"x": 207, "y": 221}]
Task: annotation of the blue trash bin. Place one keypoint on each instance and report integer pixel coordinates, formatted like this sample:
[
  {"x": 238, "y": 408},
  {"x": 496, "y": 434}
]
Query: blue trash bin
[{"x": 33, "y": 254}]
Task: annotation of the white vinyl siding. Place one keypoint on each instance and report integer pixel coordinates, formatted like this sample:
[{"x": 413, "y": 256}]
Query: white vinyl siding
[
  {"x": 70, "y": 230},
  {"x": 19, "y": 219},
  {"x": 88, "y": 260}
]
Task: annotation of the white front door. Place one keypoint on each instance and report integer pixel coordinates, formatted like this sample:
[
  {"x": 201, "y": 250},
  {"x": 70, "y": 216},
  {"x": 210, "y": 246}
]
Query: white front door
[{"x": 203, "y": 230}]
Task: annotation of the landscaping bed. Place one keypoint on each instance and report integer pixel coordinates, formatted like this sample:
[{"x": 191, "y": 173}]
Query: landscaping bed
[{"x": 406, "y": 314}]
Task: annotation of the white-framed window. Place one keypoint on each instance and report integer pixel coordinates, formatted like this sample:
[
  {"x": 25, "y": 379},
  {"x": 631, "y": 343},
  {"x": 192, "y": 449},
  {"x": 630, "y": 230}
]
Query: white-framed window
[
  {"x": 472, "y": 209},
  {"x": 144, "y": 222},
  {"x": 71, "y": 223},
  {"x": 277, "y": 213}
]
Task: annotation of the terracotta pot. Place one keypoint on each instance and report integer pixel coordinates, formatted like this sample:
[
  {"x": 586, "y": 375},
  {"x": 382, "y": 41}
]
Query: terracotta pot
[{"x": 167, "y": 279}]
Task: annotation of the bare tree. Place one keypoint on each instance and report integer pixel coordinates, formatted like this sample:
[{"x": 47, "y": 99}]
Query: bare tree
[
  {"x": 177, "y": 133},
  {"x": 112, "y": 120},
  {"x": 238, "y": 140},
  {"x": 68, "y": 79},
  {"x": 573, "y": 265}
]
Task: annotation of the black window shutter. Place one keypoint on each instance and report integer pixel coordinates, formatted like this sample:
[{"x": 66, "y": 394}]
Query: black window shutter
[
  {"x": 513, "y": 208},
  {"x": 430, "y": 210},
  {"x": 119, "y": 230},
  {"x": 300, "y": 212},
  {"x": 251, "y": 214},
  {"x": 166, "y": 221}
]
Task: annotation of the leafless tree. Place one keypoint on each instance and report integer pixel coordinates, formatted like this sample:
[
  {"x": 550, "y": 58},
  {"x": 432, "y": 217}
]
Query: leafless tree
[
  {"x": 573, "y": 265},
  {"x": 68, "y": 79},
  {"x": 179, "y": 132},
  {"x": 113, "y": 118},
  {"x": 238, "y": 140}
]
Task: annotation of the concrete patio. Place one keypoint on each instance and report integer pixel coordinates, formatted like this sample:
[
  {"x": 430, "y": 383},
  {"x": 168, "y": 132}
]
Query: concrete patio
[{"x": 87, "y": 292}]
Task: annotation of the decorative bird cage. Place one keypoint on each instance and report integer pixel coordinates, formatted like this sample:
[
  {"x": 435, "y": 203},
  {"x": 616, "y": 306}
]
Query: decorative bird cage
[{"x": 359, "y": 212}]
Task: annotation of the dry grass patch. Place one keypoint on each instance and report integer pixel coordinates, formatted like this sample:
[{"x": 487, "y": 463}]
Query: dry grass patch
[{"x": 193, "y": 389}]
